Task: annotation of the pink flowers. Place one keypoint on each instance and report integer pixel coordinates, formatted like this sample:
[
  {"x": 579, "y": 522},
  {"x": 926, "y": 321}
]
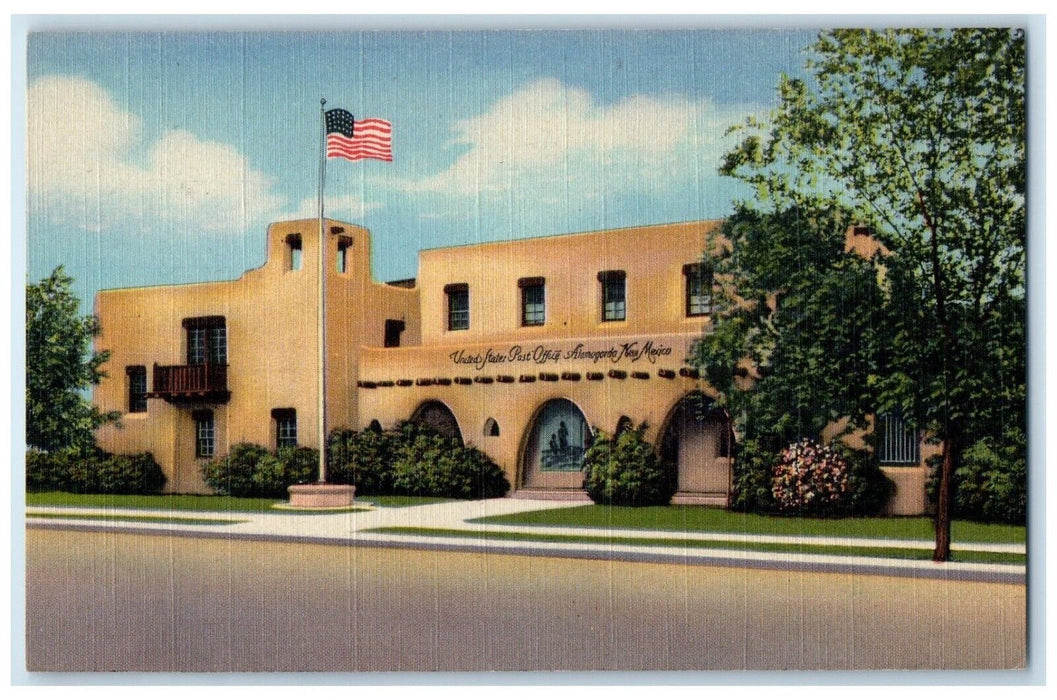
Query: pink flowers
[{"x": 810, "y": 478}]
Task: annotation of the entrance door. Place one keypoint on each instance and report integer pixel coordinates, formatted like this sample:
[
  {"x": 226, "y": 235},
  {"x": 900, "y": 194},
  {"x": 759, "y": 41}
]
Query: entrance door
[{"x": 697, "y": 445}]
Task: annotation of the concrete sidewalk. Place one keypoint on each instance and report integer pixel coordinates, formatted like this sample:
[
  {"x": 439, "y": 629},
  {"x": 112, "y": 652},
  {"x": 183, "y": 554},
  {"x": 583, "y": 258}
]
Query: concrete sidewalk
[{"x": 354, "y": 528}]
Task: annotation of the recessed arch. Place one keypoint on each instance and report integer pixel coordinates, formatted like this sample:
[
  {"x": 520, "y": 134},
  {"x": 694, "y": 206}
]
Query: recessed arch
[
  {"x": 374, "y": 426},
  {"x": 696, "y": 441},
  {"x": 491, "y": 428},
  {"x": 553, "y": 451},
  {"x": 624, "y": 424},
  {"x": 438, "y": 417}
]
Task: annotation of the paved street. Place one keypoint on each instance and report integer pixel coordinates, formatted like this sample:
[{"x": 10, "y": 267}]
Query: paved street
[
  {"x": 117, "y": 601},
  {"x": 357, "y": 528}
]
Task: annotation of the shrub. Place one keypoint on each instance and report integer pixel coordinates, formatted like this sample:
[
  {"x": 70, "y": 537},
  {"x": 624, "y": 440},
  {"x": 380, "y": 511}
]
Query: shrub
[
  {"x": 300, "y": 465},
  {"x": 362, "y": 458},
  {"x": 624, "y": 470},
  {"x": 252, "y": 471},
  {"x": 268, "y": 478},
  {"x": 411, "y": 460},
  {"x": 427, "y": 464},
  {"x": 990, "y": 484},
  {"x": 232, "y": 474},
  {"x": 99, "y": 472},
  {"x": 870, "y": 488},
  {"x": 47, "y": 471},
  {"x": 751, "y": 488},
  {"x": 811, "y": 479}
]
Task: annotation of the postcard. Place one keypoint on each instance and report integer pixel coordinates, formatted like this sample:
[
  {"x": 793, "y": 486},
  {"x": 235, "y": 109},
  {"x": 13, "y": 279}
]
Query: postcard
[{"x": 593, "y": 349}]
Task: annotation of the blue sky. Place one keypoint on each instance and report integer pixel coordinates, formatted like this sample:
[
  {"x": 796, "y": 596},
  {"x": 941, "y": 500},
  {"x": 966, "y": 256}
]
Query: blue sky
[{"x": 159, "y": 158}]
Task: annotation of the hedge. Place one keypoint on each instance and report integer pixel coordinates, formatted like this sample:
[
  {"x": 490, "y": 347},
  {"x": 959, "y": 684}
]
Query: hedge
[
  {"x": 94, "y": 471},
  {"x": 250, "y": 470},
  {"x": 412, "y": 460}
]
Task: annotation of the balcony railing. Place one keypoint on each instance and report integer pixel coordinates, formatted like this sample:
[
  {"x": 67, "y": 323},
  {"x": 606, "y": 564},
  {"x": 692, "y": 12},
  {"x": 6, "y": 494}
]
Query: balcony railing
[{"x": 206, "y": 383}]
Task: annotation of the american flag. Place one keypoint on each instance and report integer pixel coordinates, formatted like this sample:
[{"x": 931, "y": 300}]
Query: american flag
[{"x": 356, "y": 139}]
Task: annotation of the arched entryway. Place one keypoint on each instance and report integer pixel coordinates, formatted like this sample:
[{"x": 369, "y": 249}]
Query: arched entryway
[
  {"x": 696, "y": 440},
  {"x": 439, "y": 418},
  {"x": 554, "y": 450}
]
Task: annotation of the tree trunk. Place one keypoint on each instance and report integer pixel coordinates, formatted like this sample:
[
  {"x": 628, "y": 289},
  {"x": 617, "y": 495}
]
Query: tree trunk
[
  {"x": 942, "y": 552},
  {"x": 951, "y": 434}
]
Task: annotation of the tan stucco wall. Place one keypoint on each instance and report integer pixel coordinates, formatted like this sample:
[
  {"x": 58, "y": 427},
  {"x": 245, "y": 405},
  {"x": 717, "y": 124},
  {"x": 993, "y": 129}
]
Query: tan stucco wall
[
  {"x": 272, "y": 348},
  {"x": 514, "y": 404},
  {"x": 652, "y": 257},
  {"x": 910, "y": 497}
]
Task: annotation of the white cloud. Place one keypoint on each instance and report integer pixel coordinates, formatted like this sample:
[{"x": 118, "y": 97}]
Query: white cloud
[
  {"x": 548, "y": 139},
  {"x": 88, "y": 163}
]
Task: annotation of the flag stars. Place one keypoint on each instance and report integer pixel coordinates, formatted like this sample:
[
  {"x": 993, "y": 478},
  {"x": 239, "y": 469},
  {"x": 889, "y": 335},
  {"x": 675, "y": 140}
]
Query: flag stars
[{"x": 339, "y": 121}]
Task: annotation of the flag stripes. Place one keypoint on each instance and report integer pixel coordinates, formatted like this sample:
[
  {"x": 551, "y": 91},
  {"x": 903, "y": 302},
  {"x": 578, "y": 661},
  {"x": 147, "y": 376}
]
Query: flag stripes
[{"x": 369, "y": 138}]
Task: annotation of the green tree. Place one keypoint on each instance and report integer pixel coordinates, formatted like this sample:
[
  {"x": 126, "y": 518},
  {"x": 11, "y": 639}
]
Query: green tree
[
  {"x": 60, "y": 366},
  {"x": 921, "y": 133},
  {"x": 809, "y": 317}
]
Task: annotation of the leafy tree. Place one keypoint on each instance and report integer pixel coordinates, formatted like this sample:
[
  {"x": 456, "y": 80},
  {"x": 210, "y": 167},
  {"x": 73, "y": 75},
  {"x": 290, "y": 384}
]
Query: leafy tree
[
  {"x": 921, "y": 134},
  {"x": 809, "y": 317},
  {"x": 60, "y": 366},
  {"x": 806, "y": 313}
]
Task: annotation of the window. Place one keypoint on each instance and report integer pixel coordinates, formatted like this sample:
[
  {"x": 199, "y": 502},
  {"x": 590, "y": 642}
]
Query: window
[
  {"x": 533, "y": 304},
  {"x": 491, "y": 428},
  {"x": 393, "y": 329},
  {"x": 285, "y": 427},
  {"x": 205, "y": 434},
  {"x": 896, "y": 442},
  {"x": 614, "y": 300},
  {"x": 207, "y": 340},
  {"x": 293, "y": 251},
  {"x": 560, "y": 436},
  {"x": 137, "y": 388},
  {"x": 344, "y": 243},
  {"x": 698, "y": 289},
  {"x": 458, "y": 306}
]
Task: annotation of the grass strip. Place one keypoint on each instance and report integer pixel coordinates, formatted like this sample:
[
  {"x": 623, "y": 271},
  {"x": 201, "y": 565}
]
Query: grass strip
[
  {"x": 881, "y": 552},
  {"x": 199, "y": 503},
  {"x": 405, "y": 501},
  {"x": 710, "y": 519},
  {"x": 134, "y": 518},
  {"x": 173, "y": 502}
]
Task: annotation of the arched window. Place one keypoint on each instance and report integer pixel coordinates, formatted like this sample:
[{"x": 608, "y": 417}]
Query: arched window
[
  {"x": 374, "y": 426},
  {"x": 439, "y": 418},
  {"x": 560, "y": 436},
  {"x": 491, "y": 428},
  {"x": 623, "y": 425}
]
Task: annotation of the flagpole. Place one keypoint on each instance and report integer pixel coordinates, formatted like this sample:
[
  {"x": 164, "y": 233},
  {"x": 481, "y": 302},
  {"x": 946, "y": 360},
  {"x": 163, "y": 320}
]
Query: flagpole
[{"x": 322, "y": 337}]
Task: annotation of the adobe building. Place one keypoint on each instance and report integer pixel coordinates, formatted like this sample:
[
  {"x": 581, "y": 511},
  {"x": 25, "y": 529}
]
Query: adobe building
[{"x": 519, "y": 348}]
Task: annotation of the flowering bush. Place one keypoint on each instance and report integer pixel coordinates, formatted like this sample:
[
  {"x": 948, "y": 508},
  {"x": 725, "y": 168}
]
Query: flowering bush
[{"x": 811, "y": 479}]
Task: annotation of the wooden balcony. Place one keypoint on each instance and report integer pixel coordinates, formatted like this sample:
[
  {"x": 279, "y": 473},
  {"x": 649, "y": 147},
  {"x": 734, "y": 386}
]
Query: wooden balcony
[{"x": 191, "y": 383}]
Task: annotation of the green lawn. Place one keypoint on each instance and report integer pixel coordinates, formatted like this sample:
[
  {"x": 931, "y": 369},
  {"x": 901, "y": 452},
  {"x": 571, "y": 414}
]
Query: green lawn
[
  {"x": 883, "y": 552},
  {"x": 705, "y": 519},
  {"x": 208, "y": 504},
  {"x": 404, "y": 501}
]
